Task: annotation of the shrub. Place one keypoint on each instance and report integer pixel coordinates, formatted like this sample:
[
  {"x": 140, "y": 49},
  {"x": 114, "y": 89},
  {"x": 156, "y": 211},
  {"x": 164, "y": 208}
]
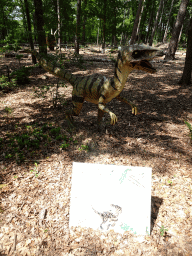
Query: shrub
[
  {"x": 190, "y": 128},
  {"x": 21, "y": 75},
  {"x": 7, "y": 85}
]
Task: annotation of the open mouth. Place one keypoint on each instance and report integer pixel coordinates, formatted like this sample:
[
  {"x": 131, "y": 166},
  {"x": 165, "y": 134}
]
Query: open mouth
[{"x": 146, "y": 65}]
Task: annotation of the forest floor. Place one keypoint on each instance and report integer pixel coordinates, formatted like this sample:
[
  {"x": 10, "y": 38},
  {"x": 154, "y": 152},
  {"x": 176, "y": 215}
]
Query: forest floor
[{"x": 38, "y": 150}]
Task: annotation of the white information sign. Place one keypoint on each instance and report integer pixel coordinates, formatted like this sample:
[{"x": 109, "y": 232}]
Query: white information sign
[{"x": 111, "y": 197}]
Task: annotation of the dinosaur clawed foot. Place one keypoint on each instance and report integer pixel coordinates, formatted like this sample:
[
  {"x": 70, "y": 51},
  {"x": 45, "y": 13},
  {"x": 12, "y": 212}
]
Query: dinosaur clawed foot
[
  {"x": 134, "y": 109},
  {"x": 113, "y": 118}
]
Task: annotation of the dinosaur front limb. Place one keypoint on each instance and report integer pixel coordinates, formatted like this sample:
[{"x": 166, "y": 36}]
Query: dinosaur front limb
[
  {"x": 102, "y": 107},
  {"x": 133, "y": 106}
]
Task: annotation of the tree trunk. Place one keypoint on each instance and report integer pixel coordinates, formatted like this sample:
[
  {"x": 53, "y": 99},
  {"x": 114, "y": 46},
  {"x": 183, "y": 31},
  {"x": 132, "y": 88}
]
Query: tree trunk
[
  {"x": 29, "y": 30},
  {"x": 84, "y": 22},
  {"x": 4, "y": 29},
  {"x": 98, "y": 34},
  {"x": 170, "y": 55},
  {"x": 180, "y": 34},
  {"x": 186, "y": 77},
  {"x": 104, "y": 24},
  {"x": 139, "y": 32},
  {"x": 35, "y": 28},
  {"x": 160, "y": 24},
  {"x": 156, "y": 22},
  {"x": 114, "y": 31},
  {"x": 114, "y": 24},
  {"x": 123, "y": 25},
  {"x": 137, "y": 22},
  {"x": 142, "y": 27},
  {"x": 78, "y": 27},
  {"x": 24, "y": 17},
  {"x": 150, "y": 23},
  {"x": 58, "y": 26},
  {"x": 40, "y": 23},
  {"x": 167, "y": 25}
]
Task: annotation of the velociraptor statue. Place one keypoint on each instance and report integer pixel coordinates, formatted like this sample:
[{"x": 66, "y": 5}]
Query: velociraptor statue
[{"x": 97, "y": 88}]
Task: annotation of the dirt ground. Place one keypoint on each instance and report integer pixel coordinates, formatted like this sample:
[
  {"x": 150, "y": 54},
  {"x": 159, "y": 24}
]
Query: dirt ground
[{"x": 35, "y": 186}]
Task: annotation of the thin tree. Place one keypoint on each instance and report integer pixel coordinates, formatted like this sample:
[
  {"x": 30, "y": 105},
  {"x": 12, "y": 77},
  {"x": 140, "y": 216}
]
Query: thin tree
[
  {"x": 167, "y": 25},
  {"x": 58, "y": 25},
  {"x": 24, "y": 16},
  {"x": 142, "y": 28},
  {"x": 170, "y": 55},
  {"x": 160, "y": 24},
  {"x": 78, "y": 26},
  {"x": 156, "y": 22},
  {"x": 84, "y": 22},
  {"x": 40, "y": 23},
  {"x": 139, "y": 29},
  {"x": 104, "y": 24},
  {"x": 114, "y": 9},
  {"x": 4, "y": 21},
  {"x": 123, "y": 25},
  {"x": 98, "y": 32},
  {"x": 29, "y": 29},
  {"x": 186, "y": 77},
  {"x": 35, "y": 27},
  {"x": 150, "y": 22},
  {"x": 137, "y": 22}
]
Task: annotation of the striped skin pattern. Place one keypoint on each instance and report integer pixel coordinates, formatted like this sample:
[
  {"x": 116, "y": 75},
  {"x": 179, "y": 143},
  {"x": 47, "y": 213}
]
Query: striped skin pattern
[{"x": 97, "y": 88}]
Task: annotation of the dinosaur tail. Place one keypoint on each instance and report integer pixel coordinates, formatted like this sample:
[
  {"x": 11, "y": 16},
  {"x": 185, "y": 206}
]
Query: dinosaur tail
[{"x": 49, "y": 64}]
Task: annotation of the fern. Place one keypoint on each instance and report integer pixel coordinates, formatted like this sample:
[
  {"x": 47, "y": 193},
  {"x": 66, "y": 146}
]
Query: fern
[{"x": 190, "y": 128}]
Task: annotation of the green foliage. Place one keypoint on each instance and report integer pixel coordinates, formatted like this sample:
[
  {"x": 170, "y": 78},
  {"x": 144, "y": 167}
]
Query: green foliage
[
  {"x": 7, "y": 85},
  {"x": 21, "y": 75},
  {"x": 163, "y": 230},
  {"x": 19, "y": 56},
  {"x": 34, "y": 170},
  {"x": 8, "y": 47},
  {"x": 84, "y": 147},
  {"x": 11, "y": 46},
  {"x": 26, "y": 142},
  {"x": 190, "y": 128},
  {"x": 8, "y": 110},
  {"x": 55, "y": 131},
  {"x": 170, "y": 182},
  {"x": 120, "y": 16},
  {"x": 64, "y": 145}
]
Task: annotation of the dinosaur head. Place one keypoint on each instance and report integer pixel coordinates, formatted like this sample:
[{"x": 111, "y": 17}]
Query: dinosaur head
[{"x": 138, "y": 57}]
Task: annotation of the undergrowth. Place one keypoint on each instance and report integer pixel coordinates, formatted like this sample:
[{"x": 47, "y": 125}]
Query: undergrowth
[
  {"x": 16, "y": 78},
  {"x": 21, "y": 75},
  {"x": 7, "y": 84},
  {"x": 190, "y": 129},
  {"x": 32, "y": 141}
]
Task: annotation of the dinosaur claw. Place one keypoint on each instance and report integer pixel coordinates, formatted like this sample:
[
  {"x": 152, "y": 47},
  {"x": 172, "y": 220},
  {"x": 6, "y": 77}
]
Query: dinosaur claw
[
  {"x": 113, "y": 118},
  {"x": 134, "y": 110}
]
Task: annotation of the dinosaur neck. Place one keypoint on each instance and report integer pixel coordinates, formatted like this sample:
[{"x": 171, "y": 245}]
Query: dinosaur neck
[
  {"x": 122, "y": 71},
  {"x": 49, "y": 66}
]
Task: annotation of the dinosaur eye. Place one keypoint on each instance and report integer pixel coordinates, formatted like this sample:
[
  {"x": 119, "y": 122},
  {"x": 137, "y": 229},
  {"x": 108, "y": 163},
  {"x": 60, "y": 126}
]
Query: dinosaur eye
[{"x": 136, "y": 54}]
